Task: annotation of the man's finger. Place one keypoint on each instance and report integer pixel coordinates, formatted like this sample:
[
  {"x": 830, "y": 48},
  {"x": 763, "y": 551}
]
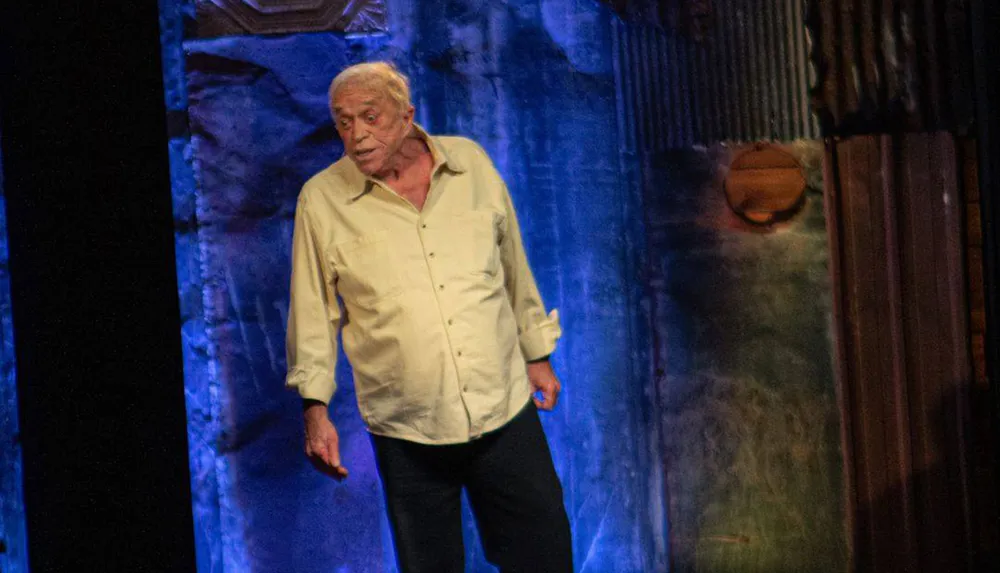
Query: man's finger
[
  {"x": 333, "y": 447},
  {"x": 339, "y": 472},
  {"x": 326, "y": 469}
]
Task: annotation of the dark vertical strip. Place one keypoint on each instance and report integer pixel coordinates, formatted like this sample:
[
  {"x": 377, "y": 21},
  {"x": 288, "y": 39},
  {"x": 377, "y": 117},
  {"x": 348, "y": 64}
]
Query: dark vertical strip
[
  {"x": 827, "y": 56},
  {"x": 956, "y": 373},
  {"x": 859, "y": 244},
  {"x": 750, "y": 44},
  {"x": 929, "y": 42},
  {"x": 762, "y": 79},
  {"x": 892, "y": 51},
  {"x": 623, "y": 81},
  {"x": 703, "y": 98},
  {"x": 834, "y": 198},
  {"x": 720, "y": 80},
  {"x": 650, "y": 95},
  {"x": 740, "y": 84},
  {"x": 94, "y": 289},
  {"x": 983, "y": 24},
  {"x": 866, "y": 67},
  {"x": 782, "y": 104},
  {"x": 676, "y": 91},
  {"x": 685, "y": 59},
  {"x": 849, "y": 37},
  {"x": 957, "y": 74},
  {"x": 776, "y": 70},
  {"x": 797, "y": 62},
  {"x": 920, "y": 373},
  {"x": 638, "y": 57},
  {"x": 670, "y": 110}
]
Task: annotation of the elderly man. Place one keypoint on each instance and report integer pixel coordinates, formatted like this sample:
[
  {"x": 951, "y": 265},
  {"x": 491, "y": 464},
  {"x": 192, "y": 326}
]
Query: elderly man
[{"x": 443, "y": 325}]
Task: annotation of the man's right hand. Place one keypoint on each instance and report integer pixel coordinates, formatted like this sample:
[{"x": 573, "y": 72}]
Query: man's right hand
[{"x": 322, "y": 441}]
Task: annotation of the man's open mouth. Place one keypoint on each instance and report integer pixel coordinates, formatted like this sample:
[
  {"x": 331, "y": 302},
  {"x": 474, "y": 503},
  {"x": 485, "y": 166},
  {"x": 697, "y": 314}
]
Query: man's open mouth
[{"x": 363, "y": 153}]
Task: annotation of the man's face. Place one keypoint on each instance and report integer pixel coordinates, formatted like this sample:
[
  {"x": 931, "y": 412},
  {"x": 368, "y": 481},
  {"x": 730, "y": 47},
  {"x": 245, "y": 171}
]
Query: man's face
[{"x": 372, "y": 127}]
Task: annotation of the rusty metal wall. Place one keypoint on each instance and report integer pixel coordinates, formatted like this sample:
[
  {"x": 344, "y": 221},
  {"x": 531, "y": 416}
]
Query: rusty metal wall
[
  {"x": 892, "y": 65},
  {"x": 738, "y": 72},
  {"x": 919, "y": 447}
]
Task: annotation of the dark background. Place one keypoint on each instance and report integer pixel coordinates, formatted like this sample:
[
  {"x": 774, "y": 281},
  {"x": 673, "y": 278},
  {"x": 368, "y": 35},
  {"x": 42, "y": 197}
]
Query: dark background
[{"x": 91, "y": 239}]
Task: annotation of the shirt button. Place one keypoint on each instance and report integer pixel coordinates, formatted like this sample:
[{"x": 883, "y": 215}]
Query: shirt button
[
  {"x": 423, "y": 226},
  {"x": 459, "y": 352},
  {"x": 450, "y": 322},
  {"x": 441, "y": 287},
  {"x": 465, "y": 388},
  {"x": 431, "y": 255}
]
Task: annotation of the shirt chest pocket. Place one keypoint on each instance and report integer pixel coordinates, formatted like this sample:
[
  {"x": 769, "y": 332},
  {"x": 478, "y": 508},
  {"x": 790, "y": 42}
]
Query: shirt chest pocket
[
  {"x": 478, "y": 242},
  {"x": 367, "y": 269}
]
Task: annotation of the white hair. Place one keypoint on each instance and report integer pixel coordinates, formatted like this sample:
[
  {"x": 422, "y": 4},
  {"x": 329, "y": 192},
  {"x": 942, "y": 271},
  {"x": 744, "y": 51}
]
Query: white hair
[{"x": 380, "y": 77}]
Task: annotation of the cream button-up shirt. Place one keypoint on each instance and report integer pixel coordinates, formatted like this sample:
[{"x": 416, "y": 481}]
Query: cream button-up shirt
[{"x": 438, "y": 310}]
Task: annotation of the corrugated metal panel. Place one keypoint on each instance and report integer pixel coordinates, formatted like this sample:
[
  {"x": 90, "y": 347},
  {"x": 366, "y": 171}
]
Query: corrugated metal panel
[
  {"x": 744, "y": 77},
  {"x": 900, "y": 311},
  {"x": 887, "y": 65}
]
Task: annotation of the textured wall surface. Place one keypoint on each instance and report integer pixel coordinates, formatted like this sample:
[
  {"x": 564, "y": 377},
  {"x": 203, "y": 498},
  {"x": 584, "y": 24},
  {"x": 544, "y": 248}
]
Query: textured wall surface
[
  {"x": 533, "y": 83},
  {"x": 215, "y": 18},
  {"x": 886, "y": 66},
  {"x": 697, "y": 72},
  {"x": 13, "y": 543},
  {"x": 745, "y": 384},
  {"x": 734, "y": 435}
]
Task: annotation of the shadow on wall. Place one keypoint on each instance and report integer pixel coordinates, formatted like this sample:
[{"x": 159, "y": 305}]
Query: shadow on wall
[{"x": 913, "y": 510}]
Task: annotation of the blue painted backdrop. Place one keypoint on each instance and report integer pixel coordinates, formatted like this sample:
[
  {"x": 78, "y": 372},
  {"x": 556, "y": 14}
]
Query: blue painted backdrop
[
  {"x": 14, "y": 559},
  {"x": 533, "y": 83},
  {"x": 717, "y": 452}
]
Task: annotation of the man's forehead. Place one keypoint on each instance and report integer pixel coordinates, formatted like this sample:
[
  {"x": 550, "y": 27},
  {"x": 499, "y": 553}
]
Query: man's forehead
[{"x": 348, "y": 101}]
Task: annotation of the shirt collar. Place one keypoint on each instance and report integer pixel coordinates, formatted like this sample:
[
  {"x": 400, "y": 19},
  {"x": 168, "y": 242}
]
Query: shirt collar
[
  {"x": 440, "y": 155},
  {"x": 441, "y": 159}
]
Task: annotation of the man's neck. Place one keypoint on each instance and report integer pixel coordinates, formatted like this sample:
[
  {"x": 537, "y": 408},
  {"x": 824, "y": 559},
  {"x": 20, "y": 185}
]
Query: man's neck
[{"x": 407, "y": 158}]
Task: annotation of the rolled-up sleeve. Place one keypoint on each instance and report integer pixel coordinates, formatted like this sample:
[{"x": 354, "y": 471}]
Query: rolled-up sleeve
[
  {"x": 537, "y": 331},
  {"x": 313, "y": 314}
]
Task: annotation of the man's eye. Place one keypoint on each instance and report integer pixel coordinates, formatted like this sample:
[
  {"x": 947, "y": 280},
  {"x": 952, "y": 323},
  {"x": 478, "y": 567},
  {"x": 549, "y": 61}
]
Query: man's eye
[{"x": 371, "y": 119}]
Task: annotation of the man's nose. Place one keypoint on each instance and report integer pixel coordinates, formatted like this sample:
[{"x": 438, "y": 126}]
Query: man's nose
[{"x": 360, "y": 133}]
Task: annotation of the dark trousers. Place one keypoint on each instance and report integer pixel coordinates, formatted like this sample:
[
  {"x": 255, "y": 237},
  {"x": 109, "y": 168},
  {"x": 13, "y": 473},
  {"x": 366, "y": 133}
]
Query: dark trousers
[{"x": 512, "y": 487}]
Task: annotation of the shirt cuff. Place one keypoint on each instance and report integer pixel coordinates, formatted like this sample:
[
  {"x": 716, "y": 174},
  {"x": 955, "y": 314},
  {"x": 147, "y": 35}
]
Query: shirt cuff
[
  {"x": 540, "y": 340},
  {"x": 312, "y": 384}
]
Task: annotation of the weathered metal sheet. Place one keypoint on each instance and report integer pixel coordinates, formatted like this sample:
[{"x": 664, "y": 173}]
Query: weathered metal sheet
[
  {"x": 890, "y": 65},
  {"x": 727, "y": 70}
]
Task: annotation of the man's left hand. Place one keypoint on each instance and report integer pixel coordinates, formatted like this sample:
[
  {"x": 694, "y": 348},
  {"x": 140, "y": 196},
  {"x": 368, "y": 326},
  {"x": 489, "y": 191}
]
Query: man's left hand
[{"x": 544, "y": 380}]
